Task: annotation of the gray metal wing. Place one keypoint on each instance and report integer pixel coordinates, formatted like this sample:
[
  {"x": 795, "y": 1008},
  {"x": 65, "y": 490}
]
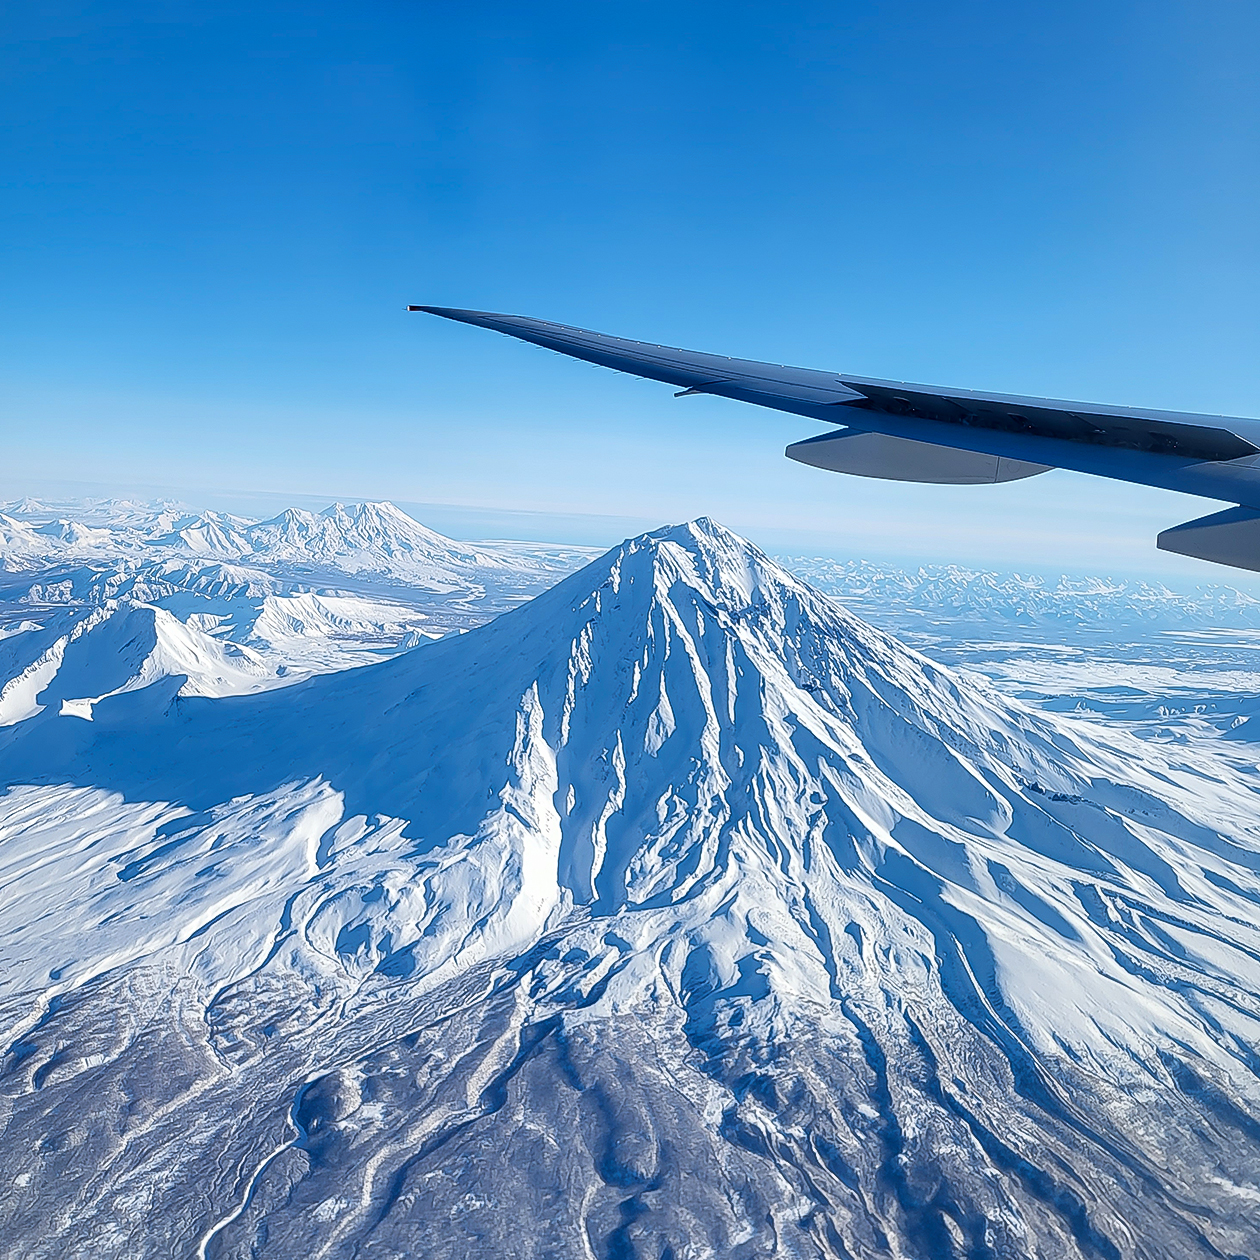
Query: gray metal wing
[
  {"x": 788, "y": 389},
  {"x": 977, "y": 437}
]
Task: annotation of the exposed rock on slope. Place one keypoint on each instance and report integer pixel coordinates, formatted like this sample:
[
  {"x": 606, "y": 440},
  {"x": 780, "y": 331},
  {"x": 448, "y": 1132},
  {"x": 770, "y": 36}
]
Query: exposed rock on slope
[{"x": 676, "y": 913}]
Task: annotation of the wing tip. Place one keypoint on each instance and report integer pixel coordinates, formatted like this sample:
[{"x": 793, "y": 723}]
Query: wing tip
[{"x": 484, "y": 319}]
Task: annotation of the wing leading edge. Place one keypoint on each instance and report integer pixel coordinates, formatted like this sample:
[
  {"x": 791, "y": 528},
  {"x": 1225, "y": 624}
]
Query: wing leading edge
[{"x": 902, "y": 431}]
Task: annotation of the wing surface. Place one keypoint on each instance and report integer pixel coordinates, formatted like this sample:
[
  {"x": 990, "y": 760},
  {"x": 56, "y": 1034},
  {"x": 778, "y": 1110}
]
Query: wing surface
[
  {"x": 1214, "y": 456},
  {"x": 865, "y": 399}
]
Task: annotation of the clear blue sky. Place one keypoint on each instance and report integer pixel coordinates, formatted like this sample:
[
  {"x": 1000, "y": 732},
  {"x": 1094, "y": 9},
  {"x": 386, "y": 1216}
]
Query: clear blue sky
[{"x": 213, "y": 215}]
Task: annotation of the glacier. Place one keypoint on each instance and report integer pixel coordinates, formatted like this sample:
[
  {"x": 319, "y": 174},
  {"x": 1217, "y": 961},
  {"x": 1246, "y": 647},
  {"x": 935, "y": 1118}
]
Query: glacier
[{"x": 673, "y": 911}]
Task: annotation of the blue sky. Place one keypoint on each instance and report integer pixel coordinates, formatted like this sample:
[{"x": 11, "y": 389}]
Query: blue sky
[{"x": 213, "y": 215}]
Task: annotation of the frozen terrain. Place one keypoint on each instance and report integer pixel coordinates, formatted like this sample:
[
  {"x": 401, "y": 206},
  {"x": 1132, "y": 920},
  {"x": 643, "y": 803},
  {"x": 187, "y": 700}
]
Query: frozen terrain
[
  {"x": 1168, "y": 664},
  {"x": 677, "y": 912}
]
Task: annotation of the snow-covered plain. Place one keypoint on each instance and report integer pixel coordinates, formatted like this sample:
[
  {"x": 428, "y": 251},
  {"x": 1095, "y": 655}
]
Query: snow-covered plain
[
  {"x": 676, "y": 912},
  {"x": 1169, "y": 664}
]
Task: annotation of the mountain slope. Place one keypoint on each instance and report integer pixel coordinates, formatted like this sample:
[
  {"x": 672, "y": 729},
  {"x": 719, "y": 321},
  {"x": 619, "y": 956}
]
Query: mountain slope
[{"x": 676, "y": 912}]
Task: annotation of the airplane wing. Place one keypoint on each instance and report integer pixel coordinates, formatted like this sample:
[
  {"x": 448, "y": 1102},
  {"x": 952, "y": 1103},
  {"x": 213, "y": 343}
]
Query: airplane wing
[{"x": 907, "y": 432}]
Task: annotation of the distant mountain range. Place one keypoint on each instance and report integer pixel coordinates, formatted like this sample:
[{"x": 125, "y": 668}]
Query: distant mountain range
[
  {"x": 297, "y": 594},
  {"x": 372, "y": 538},
  {"x": 956, "y": 599},
  {"x": 678, "y": 911},
  {"x": 379, "y": 540}
]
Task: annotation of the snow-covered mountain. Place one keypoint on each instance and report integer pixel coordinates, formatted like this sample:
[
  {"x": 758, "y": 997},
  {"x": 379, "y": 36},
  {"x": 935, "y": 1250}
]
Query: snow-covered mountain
[
  {"x": 365, "y": 535},
  {"x": 208, "y": 534},
  {"x": 308, "y": 593},
  {"x": 360, "y": 538},
  {"x": 135, "y": 649},
  {"x": 677, "y": 912}
]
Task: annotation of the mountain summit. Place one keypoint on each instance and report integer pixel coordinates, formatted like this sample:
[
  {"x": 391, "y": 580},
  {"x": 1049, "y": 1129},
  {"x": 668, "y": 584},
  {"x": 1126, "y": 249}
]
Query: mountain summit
[{"x": 675, "y": 912}]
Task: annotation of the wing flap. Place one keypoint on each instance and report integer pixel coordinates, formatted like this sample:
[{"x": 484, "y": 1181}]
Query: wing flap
[{"x": 902, "y": 459}]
